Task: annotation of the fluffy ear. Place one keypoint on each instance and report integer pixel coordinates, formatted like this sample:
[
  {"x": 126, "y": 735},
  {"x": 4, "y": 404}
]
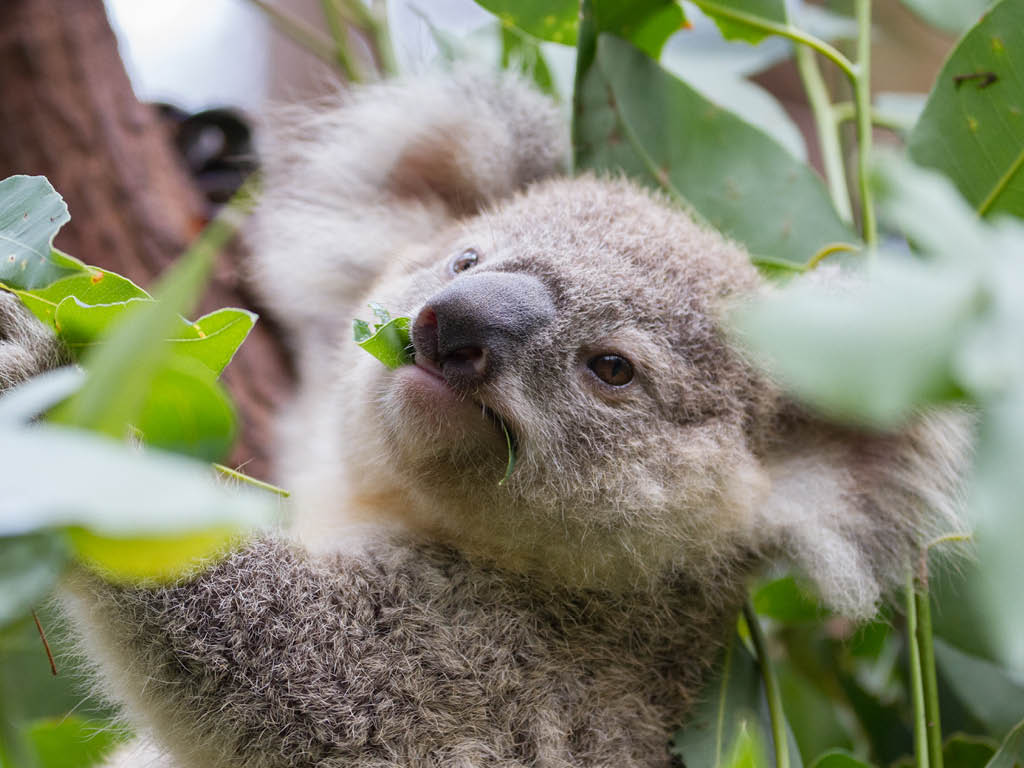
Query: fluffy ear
[
  {"x": 349, "y": 186},
  {"x": 853, "y": 508}
]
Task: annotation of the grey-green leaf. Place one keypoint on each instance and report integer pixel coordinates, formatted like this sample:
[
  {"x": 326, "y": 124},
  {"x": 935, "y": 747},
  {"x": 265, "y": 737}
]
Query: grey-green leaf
[
  {"x": 29, "y": 569},
  {"x": 31, "y": 212},
  {"x": 670, "y": 137},
  {"x": 1011, "y": 752},
  {"x": 972, "y": 128},
  {"x": 745, "y": 19},
  {"x": 953, "y": 16}
]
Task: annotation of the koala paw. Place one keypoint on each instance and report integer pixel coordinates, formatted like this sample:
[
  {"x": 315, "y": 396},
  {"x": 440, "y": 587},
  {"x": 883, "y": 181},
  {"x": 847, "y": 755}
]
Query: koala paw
[{"x": 27, "y": 347}]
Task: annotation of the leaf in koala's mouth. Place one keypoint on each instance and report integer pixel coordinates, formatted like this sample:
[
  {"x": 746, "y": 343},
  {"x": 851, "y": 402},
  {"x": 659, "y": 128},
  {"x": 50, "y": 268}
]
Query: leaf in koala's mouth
[{"x": 388, "y": 341}]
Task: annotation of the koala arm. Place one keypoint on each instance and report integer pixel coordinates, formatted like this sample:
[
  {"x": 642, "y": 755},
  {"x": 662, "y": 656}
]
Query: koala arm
[{"x": 348, "y": 189}]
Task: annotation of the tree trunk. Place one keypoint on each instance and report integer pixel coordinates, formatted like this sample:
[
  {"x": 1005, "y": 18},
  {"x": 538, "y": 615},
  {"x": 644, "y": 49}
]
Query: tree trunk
[{"x": 67, "y": 111}]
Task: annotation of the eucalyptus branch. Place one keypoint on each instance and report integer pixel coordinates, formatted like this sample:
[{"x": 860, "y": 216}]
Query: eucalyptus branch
[
  {"x": 828, "y": 137},
  {"x": 372, "y": 21},
  {"x": 862, "y": 100},
  {"x": 929, "y": 679},
  {"x": 771, "y": 687},
  {"x": 916, "y": 681},
  {"x": 301, "y": 34},
  {"x": 783, "y": 30},
  {"x": 845, "y": 111},
  {"x": 346, "y": 61}
]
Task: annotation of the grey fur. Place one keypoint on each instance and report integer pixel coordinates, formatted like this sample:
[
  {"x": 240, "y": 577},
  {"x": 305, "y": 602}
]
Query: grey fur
[
  {"x": 423, "y": 615},
  {"x": 26, "y": 346}
]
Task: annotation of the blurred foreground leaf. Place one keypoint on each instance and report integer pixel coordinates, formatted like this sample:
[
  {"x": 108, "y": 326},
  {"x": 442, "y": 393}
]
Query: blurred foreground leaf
[{"x": 72, "y": 742}]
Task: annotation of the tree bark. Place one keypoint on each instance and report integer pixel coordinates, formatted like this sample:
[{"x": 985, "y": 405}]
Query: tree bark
[{"x": 67, "y": 111}]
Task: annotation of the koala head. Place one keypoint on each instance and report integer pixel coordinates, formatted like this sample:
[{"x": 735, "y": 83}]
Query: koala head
[{"x": 583, "y": 316}]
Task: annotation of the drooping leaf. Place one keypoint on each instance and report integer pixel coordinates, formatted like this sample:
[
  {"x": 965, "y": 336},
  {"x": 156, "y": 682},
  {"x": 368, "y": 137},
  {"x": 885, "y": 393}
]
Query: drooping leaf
[
  {"x": 745, "y": 19},
  {"x": 953, "y": 16},
  {"x": 962, "y": 751},
  {"x": 972, "y": 128},
  {"x": 991, "y": 694},
  {"x": 1011, "y": 751},
  {"x": 186, "y": 411},
  {"x": 213, "y": 339},
  {"x": 389, "y": 343},
  {"x": 553, "y": 20},
  {"x": 72, "y": 742},
  {"x": 871, "y": 354},
  {"x": 31, "y": 212},
  {"x": 32, "y": 398},
  {"x": 29, "y": 568},
  {"x": 785, "y": 600},
  {"x": 670, "y": 137},
  {"x": 102, "y": 483}
]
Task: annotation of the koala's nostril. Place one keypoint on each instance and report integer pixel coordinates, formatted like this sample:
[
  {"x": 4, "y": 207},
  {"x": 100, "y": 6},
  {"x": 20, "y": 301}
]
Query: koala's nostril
[
  {"x": 468, "y": 363},
  {"x": 424, "y": 335}
]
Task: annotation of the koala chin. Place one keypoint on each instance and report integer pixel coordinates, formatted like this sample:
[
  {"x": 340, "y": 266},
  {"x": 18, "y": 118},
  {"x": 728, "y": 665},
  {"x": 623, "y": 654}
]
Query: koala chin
[{"x": 420, "y": 613}]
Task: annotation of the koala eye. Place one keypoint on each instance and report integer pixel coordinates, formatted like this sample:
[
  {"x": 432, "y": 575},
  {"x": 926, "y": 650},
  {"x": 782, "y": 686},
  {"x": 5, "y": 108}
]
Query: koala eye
[
  {"x": 465, "y": 260},
  {"x": 612, "y": 369}
]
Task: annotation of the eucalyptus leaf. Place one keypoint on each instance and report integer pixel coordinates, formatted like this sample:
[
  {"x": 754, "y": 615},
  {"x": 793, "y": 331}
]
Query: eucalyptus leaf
[
  {"x": 1011, "y": 752},
  {"x": 785, "y": 600},
  {"x": 745, "y": 19},
  {"x": 553, "y": 20},
  {"x": 102, "y": 482},
  {"x": 90, "y": 286},
  {"x": 990, "y": 693},
  {"x": 972, "y": 128},
  {"x": 838, "y": 759},
  {"x": 952, "y": 16},
  {"x": 72, "y": 742},
  {"x": 670, "y": 137},
  {"x": 31, "y": 212},
  {"x": 32, "y": 398},
  {"x": 962, "y": 751},
  {"x": 29, "y": 568},
  {"x": 389, "y": 343},
  {"x": 214, "y": 339}
]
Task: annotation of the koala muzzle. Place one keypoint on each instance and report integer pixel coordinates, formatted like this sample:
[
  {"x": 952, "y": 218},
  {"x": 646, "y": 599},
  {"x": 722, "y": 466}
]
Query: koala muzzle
[{"x": 478, "y": 323}]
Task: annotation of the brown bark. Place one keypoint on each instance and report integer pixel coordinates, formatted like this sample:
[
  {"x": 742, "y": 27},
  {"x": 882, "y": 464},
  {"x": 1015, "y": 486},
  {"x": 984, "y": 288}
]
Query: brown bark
[{"x": 67, "y": 111}]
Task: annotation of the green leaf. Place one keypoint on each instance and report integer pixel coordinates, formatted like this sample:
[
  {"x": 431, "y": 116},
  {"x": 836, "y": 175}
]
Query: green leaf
[
  {"x": 72, "y": 742},
  {"x": 121, "y": 370},
  {"x": 745, "y": 19},
  {"x": 32, "y": 398},
  {"x": 734, "y": 698},
  {"x": 186, "y": 411},
  {"x": 186, "y": 511},
  {"x": 838, "y": 759},
  {"x": 872, "y": 353},
  {"x": 80, "y": 325},
  {"x": 521, "y": 53},
  {"x": 1011, "y": 752},
  {"x": 217, "y": 336},
  {"x": 962, "y": 751},
  {"x": 953, "y": 16},
  {"x": 553, "y": 20},
  {"x": 972, "y": 128},
  {"x": 389, "y": 343},
  {"x": 989, "y": 693},
  {"x": 670, "y": 137},
  {"x": 29, "y": 568},
  {"x": 91, "y": 286},
  {"x": 785, "y": 600},
  {"x": 31, "y": 212},
  {"x": 646, "y": 23}
]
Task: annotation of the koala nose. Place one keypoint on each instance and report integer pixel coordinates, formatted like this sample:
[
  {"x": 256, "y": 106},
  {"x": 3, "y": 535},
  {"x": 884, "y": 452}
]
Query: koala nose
[{"x": 473, "y": 327}]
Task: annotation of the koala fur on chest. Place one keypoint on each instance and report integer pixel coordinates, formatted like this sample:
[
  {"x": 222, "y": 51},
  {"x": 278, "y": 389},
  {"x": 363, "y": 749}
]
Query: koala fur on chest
[{"x": 419, "y": 613}]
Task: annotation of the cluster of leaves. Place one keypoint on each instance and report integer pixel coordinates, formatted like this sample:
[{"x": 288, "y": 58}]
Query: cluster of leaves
[
  {"x": 934, "y": 318},
  {"x": 129, "y": 432}
]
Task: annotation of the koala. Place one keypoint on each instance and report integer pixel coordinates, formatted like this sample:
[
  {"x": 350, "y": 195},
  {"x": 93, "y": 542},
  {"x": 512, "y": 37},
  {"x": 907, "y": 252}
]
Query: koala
[{"x": 418, "y": 611}]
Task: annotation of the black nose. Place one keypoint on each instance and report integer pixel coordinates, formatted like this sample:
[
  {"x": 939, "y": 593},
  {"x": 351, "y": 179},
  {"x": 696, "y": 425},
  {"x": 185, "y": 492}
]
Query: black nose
[{"x": 478, "y": 323}]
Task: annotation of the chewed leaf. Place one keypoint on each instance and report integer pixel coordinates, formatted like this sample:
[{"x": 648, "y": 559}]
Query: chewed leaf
[
  {"x": 382, "y": 315},
  {"x": 390, "y": 344},
  {"x": 361, "y": 330}
]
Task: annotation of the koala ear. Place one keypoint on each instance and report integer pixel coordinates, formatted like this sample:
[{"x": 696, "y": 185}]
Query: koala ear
[{"x": 853, "y": 509}]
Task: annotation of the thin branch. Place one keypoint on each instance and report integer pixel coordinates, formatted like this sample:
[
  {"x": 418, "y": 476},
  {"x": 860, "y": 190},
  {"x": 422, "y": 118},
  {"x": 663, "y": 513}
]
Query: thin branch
[
  {"x": 234, "y": 474},
  {"x": 862, "y": 100},
  {"x": 300, "y": 33},
  {"x": 46, "y": 644},
  {"x": 344, "y": 58},
  {"x": 771, "y": 687},
  {"x": 828, "y": 136},
  {"x": 916, "y": 681}
]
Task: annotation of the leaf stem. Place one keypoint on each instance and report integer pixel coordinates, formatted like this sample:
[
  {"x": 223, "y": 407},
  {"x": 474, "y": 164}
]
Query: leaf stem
[
  {"x": 373, "y": 22},
  {"x": 827, "y": 127},
  {"x": 347, "y": 63},
  {"x": 300, "y": 32},
  {"x": 916, "y": 681},
  {"x": 771, "y": 687},
  {"x": 783, "y": 30},
  {"x": 933, "y": 723},
  {"x": 862, "y": 100},
  {"x": 234, "y": 474}
]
